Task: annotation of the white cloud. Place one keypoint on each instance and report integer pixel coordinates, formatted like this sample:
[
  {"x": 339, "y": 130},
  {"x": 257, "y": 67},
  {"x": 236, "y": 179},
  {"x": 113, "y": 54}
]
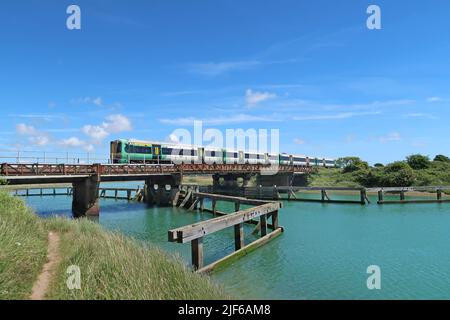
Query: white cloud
[
  {"x": 88, "y": 100},
  {"x": 390, "y": 137},
  {"x": 74, "y": 142},
  {"x": 252, "y": 98},
  {"x": 98, "y": 101},
  {"x": 97, "y": 133},
  {"x": 239, "y": 118},
  {"x": 39, "y": 140},
  {"x": 115, "y": 123},
  {"x": 173, "y": 138},
  {"x": 24, "y": 129},
  {"x": 338, "y": 116},
  {"x": 435, "y": 99},
  {"x": 299, "y": 141},
  {"x": 35, "y": 137},
  {"x": 218, "y": 68}
]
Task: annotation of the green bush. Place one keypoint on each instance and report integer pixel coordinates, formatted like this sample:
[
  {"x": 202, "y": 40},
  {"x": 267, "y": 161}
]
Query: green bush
[
  {"x": 418, "y": 161},
  {"x": 441, "y": 158},
  {"x": 352, "y": 164},
  {"x": 398, "y": 174}
]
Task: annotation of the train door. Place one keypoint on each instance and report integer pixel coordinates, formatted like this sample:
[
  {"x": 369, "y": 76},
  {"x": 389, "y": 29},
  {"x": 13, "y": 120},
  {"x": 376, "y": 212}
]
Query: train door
[
  {"x": 201, "y": 155},
  {"x": 156, "y": 152},
  {"x": 266, "y": 158},
  {"x": 241, "y": 157}
]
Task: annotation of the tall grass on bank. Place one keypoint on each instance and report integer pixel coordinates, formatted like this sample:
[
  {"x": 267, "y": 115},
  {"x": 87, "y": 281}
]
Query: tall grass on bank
[
  {"x": 112, "y": 266},
  {"x": 116, "y": 267},
  {"x": 23, "y": 248}
]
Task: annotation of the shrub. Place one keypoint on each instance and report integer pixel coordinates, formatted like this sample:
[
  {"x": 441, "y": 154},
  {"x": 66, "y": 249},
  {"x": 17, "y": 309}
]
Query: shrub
[
  {"x": 351, "y": 164},
  {"x": 378, "y": 165},
  {"x": 441, "y": 158},
  {"x": 418, "y": 161},
  {"x": 398, "y": 174}
]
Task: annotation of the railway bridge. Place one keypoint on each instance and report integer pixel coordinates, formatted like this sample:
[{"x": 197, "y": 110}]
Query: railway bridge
[{"x": 161, "y": 181}]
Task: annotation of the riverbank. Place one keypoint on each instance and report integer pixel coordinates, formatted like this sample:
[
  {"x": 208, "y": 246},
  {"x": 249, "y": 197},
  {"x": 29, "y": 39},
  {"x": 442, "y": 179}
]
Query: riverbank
[{"x": 112, "y": 266}]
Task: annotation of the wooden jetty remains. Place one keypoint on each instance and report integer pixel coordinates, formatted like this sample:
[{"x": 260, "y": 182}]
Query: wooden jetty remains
[
  {"x": 402, "y": 192},
  {"x": 194, "y": 233},
  {"x": 106, "y": 193},
  {"x": 290, "y": 193}
]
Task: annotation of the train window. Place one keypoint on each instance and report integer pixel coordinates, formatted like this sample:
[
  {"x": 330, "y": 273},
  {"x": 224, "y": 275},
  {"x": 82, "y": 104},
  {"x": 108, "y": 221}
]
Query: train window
[
  {"x": 213, "y": 154},
  {"x": 285, "y": 158},
  {"x": 166, "y": 151},
  {"x": 247, "y": 156}
]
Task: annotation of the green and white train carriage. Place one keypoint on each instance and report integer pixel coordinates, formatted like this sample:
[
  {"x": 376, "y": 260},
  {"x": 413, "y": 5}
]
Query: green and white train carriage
[{"x": 133, "y": 151}]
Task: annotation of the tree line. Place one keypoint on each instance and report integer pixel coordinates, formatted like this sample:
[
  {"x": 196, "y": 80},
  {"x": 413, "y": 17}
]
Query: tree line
[{"x": 415, "y": 170}]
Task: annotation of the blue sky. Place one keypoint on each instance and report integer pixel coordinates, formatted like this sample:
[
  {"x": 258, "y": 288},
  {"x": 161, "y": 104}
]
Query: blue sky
[{"x": 140, "y": 69}]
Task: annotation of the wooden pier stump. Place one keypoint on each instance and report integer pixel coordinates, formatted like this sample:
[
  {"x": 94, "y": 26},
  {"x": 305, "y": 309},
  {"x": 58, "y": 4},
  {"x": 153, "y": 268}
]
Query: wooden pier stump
[
  {"x": 263, "y": 220},
  {"x": 239, "y": 236},
  {"x": 197, "y": 253}
]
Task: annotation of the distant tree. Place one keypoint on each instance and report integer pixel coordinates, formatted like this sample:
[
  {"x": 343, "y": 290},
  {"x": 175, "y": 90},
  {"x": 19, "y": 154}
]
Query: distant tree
[
  {"x": 378, "y": 165},
  {"x": 441, "y": 158},
  {"x": 351, "y": 164},
  {"x": 418, "y": 161},
  {"x": 398, "y": 174}
]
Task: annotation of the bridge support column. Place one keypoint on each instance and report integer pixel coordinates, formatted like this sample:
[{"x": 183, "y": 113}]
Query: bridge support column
[
  {"x": 230, "y": 183},
  {"x": 85, "y": 197},
  {"x": 279, "y": 179},
  {"x": 161, "y": 190}
]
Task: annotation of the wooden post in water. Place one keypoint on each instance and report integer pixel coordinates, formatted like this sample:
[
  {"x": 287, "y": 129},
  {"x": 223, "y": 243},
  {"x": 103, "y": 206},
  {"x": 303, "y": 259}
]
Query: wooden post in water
[
  {"x": 363, "y": 196},
  {"x": 197, "y": 253},
  {"x": 237, "y": 206},
  {"x": 275, "y": 220},
  {"x": 129, "y": 195},
  {"x": 322, "y": 192},
  {"x": 239, "y": 236},
  {"x": 380, "y": 195},
  {"x": 115, "y": 194},
  {"x": 214, "y": 206},
  {"x": 439, "y": 194},
  {"x": 263, "y": 220},
  {"x": 402, "y": 195}
]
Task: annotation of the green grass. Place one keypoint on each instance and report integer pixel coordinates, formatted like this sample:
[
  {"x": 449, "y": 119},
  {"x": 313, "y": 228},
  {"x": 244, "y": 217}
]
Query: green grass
[
  {"x": 112, "y": 266},
  {"x": 332, "y": 178},
  {"x": 23, "y": 248}
]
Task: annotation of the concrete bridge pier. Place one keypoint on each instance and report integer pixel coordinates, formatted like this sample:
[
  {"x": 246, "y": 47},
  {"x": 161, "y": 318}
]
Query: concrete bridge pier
[
  {"x": 85, "y": 201},
  {"x": 279, "y": 179},
  {"x": 230, "y": 182},
  {"x": 161, "y": 190}
]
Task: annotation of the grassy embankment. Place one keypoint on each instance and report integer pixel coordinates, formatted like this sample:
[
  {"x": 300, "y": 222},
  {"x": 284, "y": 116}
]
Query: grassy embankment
[{"x": 112, "y": 266}]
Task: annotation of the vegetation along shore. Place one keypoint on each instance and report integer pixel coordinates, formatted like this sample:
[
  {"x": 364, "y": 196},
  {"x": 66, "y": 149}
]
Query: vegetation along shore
[{"x": 112, "y": 266}]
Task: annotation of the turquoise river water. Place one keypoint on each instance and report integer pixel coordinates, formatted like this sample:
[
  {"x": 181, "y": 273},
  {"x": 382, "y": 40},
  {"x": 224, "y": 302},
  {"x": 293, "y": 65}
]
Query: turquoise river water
[{"x": 323, "y": 253}]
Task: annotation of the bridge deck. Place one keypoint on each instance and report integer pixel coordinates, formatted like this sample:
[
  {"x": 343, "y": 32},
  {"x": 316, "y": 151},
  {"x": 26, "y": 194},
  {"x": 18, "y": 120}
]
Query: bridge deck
[{"x": 67, "y": 173}]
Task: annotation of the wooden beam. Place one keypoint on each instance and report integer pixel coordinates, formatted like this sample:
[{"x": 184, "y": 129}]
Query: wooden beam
[
  {"x": 203, "y": 228},
  {"x": 197, "y": 253},
  {"x": 240, "y": 253},
  {"x": 230, "y": 198},
  {"x": 263, "y": 220},
  {"x": 239, "y": 236},
  {"x": 275, "y": 220}
]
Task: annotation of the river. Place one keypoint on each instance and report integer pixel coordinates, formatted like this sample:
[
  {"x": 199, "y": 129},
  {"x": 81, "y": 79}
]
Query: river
[{"x": 323, "y": 253}]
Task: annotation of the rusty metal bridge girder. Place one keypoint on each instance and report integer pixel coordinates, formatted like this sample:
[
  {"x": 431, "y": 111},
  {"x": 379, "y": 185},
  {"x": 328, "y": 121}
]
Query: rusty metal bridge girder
[{"x": 8, "y": 169}]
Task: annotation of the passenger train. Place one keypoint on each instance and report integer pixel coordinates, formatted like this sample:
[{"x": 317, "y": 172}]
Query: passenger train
[{"x": 133, "y": 151}]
